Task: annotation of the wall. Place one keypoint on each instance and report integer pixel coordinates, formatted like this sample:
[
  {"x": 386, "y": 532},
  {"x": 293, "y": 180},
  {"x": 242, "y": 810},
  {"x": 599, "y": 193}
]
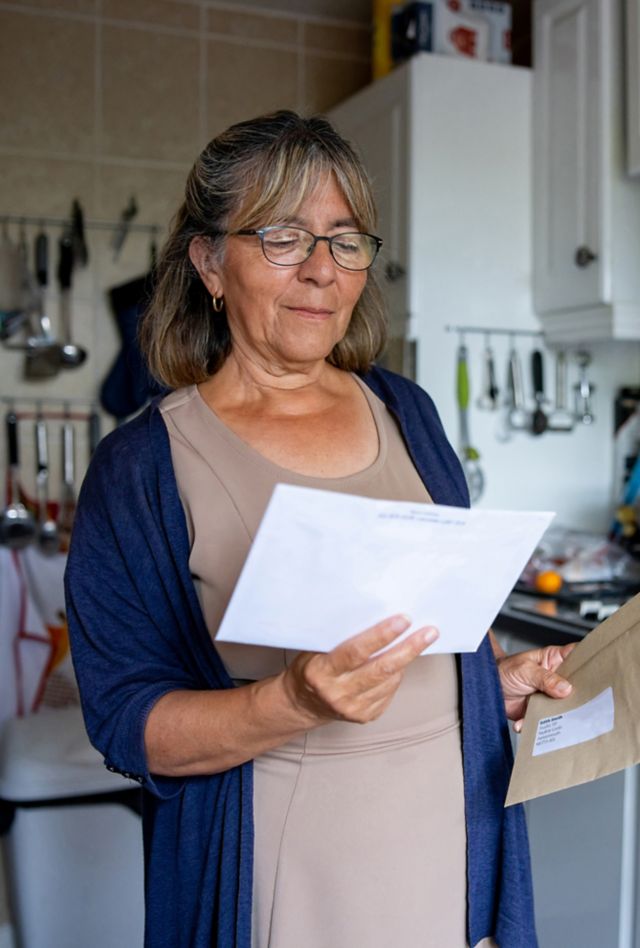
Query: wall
[{"x": 104, "y": 99}]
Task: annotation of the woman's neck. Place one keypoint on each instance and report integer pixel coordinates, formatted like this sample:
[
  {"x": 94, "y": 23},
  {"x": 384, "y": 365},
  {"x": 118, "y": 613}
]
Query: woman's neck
[{"x": 243, "y": 381}]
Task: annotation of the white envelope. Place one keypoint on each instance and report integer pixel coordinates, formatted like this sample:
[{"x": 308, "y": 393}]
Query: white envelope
[{"x": 324, "y": 566}]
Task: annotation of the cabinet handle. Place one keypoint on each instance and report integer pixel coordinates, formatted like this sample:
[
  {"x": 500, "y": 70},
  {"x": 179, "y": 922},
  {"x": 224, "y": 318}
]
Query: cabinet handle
[
  {"x": 394, "y": 271},
  {"x": 584, "y": 256}
]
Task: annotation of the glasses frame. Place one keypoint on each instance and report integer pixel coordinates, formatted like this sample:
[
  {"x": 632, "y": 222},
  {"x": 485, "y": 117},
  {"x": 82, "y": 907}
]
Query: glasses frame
[{"x": 261, "y": 231}]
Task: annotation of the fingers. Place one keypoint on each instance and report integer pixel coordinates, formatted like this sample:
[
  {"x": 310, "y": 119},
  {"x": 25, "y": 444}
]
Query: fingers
[
  {"x": 357, "y": 680},
  {"x": 396, "y": 658},
  {"x": 355, "y": 651}
]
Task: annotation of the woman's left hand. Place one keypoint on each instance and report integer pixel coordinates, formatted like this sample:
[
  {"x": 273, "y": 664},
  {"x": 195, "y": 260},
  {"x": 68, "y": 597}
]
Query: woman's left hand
[{"x": 524, "y": 673}]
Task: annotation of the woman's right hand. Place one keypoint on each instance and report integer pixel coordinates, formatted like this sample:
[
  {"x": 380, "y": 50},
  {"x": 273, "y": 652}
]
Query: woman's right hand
[{"x": 351, "y": 682}]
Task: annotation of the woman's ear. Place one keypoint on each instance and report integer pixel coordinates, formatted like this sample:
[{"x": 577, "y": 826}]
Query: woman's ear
[{"x": 203, "y": 258}]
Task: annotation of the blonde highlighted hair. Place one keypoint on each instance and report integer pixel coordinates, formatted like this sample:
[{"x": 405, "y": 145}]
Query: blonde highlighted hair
[{"x": 256, "y": 173}]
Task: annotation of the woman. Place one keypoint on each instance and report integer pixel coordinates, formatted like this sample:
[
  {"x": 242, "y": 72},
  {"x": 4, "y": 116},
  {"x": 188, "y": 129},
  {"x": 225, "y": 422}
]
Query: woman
[{"x": 374, "y": 784}]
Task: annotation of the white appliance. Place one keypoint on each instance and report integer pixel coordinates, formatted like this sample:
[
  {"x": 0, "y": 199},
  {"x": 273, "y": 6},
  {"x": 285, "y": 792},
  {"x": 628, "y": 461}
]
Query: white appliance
[{"x": 72, "y": 842}]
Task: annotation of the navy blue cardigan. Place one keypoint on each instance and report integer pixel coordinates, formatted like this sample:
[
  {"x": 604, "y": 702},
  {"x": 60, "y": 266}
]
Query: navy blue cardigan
[{"x": 137, "y": 632}]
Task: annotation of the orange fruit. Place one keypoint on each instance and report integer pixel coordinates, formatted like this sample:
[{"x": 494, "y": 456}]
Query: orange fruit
[{"x": 548, "y": 581}]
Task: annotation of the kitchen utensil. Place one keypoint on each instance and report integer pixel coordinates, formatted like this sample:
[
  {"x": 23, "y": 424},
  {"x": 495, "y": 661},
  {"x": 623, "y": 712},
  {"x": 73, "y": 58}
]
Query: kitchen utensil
[
  {"x": 518, "y": 416},
  {"x": 17, "y": 526},
  {"x": 120, "y": 234},
  {"x": 469, "y": 456},
  {"x": 78, "y": 238},
  {"x": 561, "y": 419},
  {"x": 488, "y": 400},
  {"x": 48, "y": 535},
  {"x": 94, "y": 430},
  {"x": 584, "y": 390},
  {"x": 71, "y": 354},
  {"x": 539, "y": 420},
  {"x": 29, "y": 297},
  {"x": 44, "y": 355},
  {"x": 10, "y": 273},
  {"x": 68, "y": 490}
]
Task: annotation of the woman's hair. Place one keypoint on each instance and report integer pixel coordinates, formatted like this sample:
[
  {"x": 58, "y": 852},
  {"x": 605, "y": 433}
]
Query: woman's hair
[{"x": 256, "y": 173}]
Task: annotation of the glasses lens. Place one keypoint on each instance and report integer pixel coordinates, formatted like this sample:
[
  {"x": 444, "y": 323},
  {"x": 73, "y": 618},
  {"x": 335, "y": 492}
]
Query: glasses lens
[
  {"x": 354, "y": 251},
  {"x": 286, "y": 245}
]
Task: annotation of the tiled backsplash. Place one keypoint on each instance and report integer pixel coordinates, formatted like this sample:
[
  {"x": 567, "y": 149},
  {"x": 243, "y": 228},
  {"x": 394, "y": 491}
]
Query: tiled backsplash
[{"x": 103, "y": 99}]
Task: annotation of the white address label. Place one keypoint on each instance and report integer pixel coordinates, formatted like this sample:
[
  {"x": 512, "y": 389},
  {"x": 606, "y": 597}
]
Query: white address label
[{"x": 574, "y": 727}]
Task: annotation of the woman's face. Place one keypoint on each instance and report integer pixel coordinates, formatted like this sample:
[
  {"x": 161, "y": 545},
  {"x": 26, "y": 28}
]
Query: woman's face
[{"x": 290, "y": 316}]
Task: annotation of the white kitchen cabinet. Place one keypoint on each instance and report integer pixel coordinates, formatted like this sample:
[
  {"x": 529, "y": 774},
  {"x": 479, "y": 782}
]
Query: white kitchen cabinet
[
  {"x": 586, "y": 209},
  {"x": 633, "y": 86},
  {"x": 446, "y": 142},
  {"x": 378, "y": 123}
]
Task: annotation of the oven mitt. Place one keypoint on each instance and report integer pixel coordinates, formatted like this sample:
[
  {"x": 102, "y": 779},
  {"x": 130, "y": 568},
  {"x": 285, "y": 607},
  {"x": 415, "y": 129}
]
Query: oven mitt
[{"x": 128, "y": 385}]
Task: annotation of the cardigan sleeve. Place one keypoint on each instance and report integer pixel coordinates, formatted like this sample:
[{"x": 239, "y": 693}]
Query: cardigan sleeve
[{"x": 131, "y": 624}]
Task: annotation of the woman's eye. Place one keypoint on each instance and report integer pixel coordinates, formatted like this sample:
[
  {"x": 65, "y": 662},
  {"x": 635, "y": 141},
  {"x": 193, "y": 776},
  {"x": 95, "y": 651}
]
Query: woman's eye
[
  {"x": 282, "y": 240},
  {"x": 347, "y": 245}
]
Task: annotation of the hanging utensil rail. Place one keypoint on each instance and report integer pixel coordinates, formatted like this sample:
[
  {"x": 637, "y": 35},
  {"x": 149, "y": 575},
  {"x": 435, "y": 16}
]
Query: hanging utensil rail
[
  {"x": 64, "y": 412},
  {"x": 63, "y": 222},
  {"x": 492, "y": 331}
]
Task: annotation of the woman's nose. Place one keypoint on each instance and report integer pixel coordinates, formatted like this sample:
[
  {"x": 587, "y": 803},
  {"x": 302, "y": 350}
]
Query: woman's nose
[{"x": 319, "y": 265}]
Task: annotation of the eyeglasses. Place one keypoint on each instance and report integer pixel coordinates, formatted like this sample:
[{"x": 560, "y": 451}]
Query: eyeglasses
[{"x": 289, "y": 246}]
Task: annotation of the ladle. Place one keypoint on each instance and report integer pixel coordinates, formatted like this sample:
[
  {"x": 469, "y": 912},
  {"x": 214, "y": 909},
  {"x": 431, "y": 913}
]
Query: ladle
[
  {"x": 71, "y": 355},
  {"x": 17, "y": 526},
  {"x": 48, "y": 533},
  {"x": 539, "y": 419},
  {"x": 68, "y": 493}
]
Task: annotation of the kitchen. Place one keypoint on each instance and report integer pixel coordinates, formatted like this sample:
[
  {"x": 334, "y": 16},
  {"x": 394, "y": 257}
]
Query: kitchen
[{"x": 91, "y": 126}]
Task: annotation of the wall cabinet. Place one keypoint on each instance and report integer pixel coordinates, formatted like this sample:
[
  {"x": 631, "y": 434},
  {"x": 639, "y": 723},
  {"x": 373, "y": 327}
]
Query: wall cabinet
[{"x": 586, "y": 208}]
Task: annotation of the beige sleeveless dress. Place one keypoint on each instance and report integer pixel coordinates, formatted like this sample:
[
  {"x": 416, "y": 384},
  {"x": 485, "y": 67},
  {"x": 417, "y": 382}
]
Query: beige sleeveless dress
[{"x": 360, "y": 835}]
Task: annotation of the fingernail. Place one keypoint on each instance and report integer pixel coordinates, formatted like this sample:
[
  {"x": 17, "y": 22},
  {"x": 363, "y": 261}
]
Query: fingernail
[
  {"x": 517, "y": 727},
  {"x": 430, "y": 635},
  {"x": 400, "y": 623},
  {"x": 564, "y": 687}
]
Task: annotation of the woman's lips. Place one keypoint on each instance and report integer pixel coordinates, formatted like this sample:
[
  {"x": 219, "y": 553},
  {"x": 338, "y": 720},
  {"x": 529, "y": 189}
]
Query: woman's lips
[{"x": 311, "y": 312}]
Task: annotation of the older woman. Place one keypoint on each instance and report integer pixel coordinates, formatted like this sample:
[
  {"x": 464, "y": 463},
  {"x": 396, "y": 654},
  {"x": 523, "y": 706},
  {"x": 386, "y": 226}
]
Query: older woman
[{"x": 336, "y": 800}]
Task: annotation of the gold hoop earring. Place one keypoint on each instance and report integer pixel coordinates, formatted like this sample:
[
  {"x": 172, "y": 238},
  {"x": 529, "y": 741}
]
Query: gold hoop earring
[{"x": 218, "y": 303}]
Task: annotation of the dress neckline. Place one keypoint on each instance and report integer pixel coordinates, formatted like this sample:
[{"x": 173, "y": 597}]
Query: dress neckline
[{"x": 251, "y": 454}]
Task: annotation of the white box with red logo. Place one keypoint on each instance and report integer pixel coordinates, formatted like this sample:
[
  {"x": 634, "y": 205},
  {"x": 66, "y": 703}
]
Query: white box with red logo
[
  {"x": 458, "y": 31},
  {"x": 498, "y": 15}
]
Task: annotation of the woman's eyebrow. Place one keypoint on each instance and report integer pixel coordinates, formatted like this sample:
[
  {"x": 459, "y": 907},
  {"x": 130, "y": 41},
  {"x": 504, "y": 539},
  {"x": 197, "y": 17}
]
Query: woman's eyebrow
[{"x": 342, "y": 222}]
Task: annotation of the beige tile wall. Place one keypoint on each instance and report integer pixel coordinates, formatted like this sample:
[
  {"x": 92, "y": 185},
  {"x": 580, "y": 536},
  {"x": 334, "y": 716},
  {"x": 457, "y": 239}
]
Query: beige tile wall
[{"x": 104, "y": 99}]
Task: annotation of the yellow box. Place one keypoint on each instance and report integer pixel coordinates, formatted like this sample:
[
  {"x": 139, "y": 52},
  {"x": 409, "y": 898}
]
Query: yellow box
[{"x": 381, "y": 51}]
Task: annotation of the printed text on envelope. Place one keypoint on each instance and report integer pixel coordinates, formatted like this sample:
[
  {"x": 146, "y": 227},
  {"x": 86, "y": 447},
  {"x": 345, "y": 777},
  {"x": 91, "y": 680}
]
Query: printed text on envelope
[{"x": 574, "y": 727}]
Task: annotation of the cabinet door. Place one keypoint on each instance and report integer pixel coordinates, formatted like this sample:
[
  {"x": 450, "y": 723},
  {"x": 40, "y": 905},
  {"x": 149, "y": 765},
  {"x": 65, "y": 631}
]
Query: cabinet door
[
  {"x": 633, "y": 86},
  {"x": 375, "y": 121},
  {"x": 567, "y": 151}
]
